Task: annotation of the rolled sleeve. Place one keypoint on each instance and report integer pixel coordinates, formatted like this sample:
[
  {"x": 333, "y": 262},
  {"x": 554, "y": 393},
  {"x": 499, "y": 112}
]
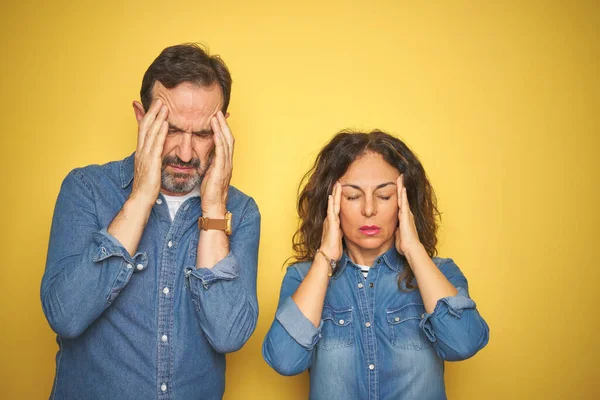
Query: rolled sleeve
[
  {"x": 455, "y": 327},
  {"x": 297, "y": 325},
  {"x": 226, "y": 269},
  {"x": 109, "y": 246},
  {"x": 453, "y": 305}
]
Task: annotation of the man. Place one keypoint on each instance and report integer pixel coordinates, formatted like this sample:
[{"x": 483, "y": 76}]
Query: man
[{"x": 151, "y": 270}]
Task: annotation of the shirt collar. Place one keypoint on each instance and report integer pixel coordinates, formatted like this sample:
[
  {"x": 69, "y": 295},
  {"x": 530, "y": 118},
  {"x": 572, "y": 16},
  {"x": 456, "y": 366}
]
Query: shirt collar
[
  {"x": 126, "y": 171},
  {"x": 391, "y": 258}
]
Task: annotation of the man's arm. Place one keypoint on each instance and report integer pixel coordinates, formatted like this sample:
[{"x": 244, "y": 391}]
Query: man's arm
[
  {"x": 223, "y": 285},
  {"x": 225, "y": 295},
  {"x": 88, "y": 265}
]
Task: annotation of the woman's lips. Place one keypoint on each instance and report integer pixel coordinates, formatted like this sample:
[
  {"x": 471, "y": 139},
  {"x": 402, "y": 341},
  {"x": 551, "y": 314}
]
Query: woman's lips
[{"x": 370, "y": 230}]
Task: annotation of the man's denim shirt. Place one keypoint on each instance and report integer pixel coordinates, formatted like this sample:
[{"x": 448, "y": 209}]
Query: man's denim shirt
[
  {"x": 374, "y": 341},
  {"x": 151, "y": 326}
]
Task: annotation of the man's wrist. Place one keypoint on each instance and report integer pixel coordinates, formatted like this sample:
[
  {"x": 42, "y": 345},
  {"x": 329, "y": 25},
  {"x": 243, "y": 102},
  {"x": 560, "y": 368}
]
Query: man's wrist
[{"x": 217, "y": 212}]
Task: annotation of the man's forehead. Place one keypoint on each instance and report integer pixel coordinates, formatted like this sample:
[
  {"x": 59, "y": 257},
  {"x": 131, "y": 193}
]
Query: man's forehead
[{"x": 189, "y": 95}]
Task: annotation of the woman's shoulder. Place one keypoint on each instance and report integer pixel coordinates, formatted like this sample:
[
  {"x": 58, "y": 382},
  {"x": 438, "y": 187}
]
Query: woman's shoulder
[
  {"x": 447, "y": 266},
  {"x": 442, "y": 261},
  {"x": 299, "y": 268}
]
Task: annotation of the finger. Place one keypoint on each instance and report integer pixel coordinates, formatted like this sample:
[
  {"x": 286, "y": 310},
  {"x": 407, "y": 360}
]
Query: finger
[
  {"x": 159, "y": 142},
  {"x": 330, "y": 213},
  {"x": 147, "y": 121},
  {"x": 405, "y": 205},
  {"x": 337, "y": 198},
  {"x": 154, "y": 128},
  {"x": 220, "y": 150},
  {"x": 229, "y": 139},
  {"x": 399, "y": 188}
]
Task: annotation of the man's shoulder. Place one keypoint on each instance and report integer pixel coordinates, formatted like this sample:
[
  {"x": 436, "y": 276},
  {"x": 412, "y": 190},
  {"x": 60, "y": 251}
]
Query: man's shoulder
[
  {"x": 112, "y": 172},
  {"x": 240, "y": 201}
]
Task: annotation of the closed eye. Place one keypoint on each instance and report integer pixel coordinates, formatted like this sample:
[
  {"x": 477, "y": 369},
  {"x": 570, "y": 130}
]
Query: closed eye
[
  {"x": 352, "y": 197},
  {"x": 203, "y": 134},
  {"x": 385, "y": 197}
]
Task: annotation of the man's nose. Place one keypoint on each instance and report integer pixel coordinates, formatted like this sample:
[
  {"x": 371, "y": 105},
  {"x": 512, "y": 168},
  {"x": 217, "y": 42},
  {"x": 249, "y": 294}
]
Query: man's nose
[{"x": 184, "y": 150}]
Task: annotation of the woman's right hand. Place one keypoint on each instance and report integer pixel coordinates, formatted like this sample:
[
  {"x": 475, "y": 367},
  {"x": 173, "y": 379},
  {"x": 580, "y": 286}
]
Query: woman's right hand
[{"x": 331, "y": 239}]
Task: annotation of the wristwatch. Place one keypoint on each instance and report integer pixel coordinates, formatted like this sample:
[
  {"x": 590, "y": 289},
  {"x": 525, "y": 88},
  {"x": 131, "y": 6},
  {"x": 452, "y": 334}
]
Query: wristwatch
[{"x": 206, "y": 224}]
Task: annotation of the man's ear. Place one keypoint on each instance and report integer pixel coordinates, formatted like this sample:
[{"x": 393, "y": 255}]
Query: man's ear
[{"x": 138, "y": 109}]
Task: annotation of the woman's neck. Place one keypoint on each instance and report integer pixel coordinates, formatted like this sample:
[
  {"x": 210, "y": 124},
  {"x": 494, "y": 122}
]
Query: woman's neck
[{"x": 367, "y": 257}]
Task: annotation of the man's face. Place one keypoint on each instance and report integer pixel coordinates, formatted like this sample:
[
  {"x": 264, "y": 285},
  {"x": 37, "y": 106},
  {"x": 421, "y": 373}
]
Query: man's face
[{"x": 187, "y": 150}]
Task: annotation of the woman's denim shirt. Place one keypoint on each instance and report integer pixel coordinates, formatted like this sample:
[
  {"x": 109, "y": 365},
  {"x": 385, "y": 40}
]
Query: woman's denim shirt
[{"x": 374, "y": 341}]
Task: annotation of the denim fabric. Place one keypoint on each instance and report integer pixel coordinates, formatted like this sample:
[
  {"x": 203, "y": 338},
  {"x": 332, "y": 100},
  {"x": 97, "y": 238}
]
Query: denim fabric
[
  {"x": 151, "y": 326},
  {"x": 374, "y": 341}
]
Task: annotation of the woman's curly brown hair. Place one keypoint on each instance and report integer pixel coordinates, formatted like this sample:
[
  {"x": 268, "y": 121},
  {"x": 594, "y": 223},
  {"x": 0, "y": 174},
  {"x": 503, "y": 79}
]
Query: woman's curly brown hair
[{"x": 331, "y": 164}]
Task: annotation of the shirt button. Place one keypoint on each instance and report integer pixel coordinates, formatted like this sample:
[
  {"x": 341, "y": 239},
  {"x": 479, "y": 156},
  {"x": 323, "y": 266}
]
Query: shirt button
[
  {"x": 422, "y": 315},
  {"x": 158, "y": 201},
  {"x": 139, "y": 267},
  {"x": 170, "y": 244},
  {"x": 371, "y": 285},
  {"x": 163, "y": 387},
  {"x": 342, "y": 322},
  {"x": 368, "y": 324},
  {"x": 129, "y": 266},
  {"x": 166, "y": 290},
  {"x": 397, "y": 319},
  {"x": 371, "y": 367},
  {"x": 164, "y": 338},
  {"x": 379, "y": 261},
  {"x": 360, "y": 285}
]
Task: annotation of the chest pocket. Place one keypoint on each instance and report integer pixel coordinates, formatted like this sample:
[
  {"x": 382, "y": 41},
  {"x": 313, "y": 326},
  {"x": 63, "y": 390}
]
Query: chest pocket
[
  {"x": 403, "y": 323},
  {"x": 337, "y": 329}
]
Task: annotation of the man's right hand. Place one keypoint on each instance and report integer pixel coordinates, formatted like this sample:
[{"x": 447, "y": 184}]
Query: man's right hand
[
  {"x": 129, "y": 224},
  {"x": 152, "y": 131}
]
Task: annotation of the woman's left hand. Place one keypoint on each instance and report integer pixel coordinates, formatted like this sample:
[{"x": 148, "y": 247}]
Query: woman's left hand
[{"x": 407, "y": 237}]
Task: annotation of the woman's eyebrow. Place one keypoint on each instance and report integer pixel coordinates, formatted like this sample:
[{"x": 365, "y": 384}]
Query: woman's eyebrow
[{"x": 378, "y": 186}]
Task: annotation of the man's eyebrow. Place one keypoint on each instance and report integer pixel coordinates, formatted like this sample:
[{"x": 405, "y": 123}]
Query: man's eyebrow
[
  {"x": 202, "y": 132},
  {"x": 377, "y": 188}
]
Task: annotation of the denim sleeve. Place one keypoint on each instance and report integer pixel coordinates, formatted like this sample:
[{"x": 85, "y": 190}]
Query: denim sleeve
[
  {"x": 225, "y": 295},
  {"x": 86, "y": 267},
  {"x": 455, "y": 327},
  {"x": 289, "y": 344}
]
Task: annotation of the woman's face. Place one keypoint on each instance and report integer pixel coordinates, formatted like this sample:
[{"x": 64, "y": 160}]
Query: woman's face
[{"x": 369, "y": 206}]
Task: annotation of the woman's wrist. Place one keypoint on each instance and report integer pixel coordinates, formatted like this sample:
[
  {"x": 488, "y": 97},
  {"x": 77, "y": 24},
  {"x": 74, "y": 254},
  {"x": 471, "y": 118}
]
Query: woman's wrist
[
  {"x": 415, "y": 252},
  {"x": 329, "y": 262}
]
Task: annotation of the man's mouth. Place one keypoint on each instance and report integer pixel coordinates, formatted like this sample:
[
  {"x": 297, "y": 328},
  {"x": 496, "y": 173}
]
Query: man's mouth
[
  {"x": 370, "y": 230},
  {"x": 182, "y": 169}
]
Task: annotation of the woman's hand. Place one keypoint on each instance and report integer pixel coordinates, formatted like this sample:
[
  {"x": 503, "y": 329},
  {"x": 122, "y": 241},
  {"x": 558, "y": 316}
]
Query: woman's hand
[
  {"x": 331, "y": 239},
  {"x": 407, "y": 237}
]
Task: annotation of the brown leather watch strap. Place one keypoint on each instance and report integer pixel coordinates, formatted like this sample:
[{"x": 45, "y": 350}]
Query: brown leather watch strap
[{"x": 206, "y": 224}]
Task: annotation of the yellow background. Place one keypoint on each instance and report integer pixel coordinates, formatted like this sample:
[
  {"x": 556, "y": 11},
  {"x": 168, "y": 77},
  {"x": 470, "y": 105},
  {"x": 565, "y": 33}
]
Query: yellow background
[{"x": 500, "y": 101}]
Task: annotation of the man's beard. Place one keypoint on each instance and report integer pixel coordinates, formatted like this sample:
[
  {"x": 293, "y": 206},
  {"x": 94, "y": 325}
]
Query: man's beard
[{"x": 177, "y": 182}]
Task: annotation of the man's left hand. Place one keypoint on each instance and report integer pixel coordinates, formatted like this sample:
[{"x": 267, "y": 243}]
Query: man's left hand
[{"x": 215, "y": 184}]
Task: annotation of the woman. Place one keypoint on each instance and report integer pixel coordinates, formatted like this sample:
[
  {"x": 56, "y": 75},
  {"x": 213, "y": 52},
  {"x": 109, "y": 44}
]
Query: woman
[{"x": 367, "y": 307}]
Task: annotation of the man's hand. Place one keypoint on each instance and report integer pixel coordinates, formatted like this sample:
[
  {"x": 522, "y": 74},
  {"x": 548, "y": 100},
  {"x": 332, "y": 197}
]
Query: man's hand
[
  {"x": 152, "y": 131},
  {"x": 129, "y": 224},
  {"x": 215, "y": 184}
]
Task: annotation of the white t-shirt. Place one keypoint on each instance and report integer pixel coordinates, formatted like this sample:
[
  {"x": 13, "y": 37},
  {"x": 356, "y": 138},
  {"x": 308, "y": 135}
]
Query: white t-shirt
[
  {"x": 364, "y": 269},
  {"x": 174, "y": 202}
]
